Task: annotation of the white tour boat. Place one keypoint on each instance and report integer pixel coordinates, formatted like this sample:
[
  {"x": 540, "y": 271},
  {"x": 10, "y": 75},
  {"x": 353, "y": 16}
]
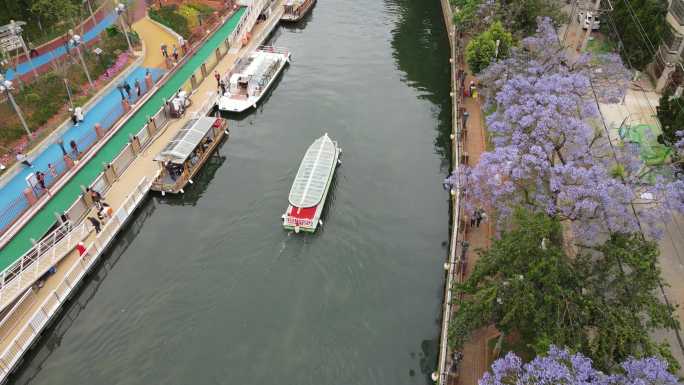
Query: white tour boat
[
  {"x": 252, "y": 77},
  {"x": 311, "y": 185}
]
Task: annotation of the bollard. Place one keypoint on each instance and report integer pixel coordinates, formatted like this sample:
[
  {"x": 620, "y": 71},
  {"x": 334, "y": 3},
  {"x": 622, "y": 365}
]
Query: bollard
[
  {"x": 68, "y": 162},
  {"x": 30, "y": 196},
  {"x": 99, "y": 131},
  {"x": 135, "y": 144},
  {"x": 110, "y": 174},
  {"x": 86, "y": 197},
  {"x": 126, "y": 106}
]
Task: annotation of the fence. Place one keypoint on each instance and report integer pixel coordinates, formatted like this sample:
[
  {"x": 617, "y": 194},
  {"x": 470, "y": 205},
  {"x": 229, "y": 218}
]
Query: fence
[
  {"x": 20, "y": 204},
  {"x": 456, "y": 264},
  {"x": 26, "y": 336}
]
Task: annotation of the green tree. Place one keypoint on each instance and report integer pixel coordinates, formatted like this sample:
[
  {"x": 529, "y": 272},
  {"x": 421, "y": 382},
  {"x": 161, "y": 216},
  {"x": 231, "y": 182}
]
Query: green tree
[
  {"x": 671, "y": 116},
  {"x": 622, "y": 21},
  {"x": 55, "y": 11},
  {"x": 601, "y": 302},
  {"x": 482, "y": 49}
]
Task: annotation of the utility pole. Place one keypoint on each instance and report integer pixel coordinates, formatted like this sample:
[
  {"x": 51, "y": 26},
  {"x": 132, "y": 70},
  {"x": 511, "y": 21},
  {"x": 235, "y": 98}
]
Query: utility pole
[{"x": 6, "y": 86}]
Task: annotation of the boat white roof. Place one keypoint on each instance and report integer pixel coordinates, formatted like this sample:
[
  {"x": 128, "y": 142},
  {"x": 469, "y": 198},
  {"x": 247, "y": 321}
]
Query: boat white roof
[
  {"x": 314, "y": 171},
  {"x": 185, "y": 141}
]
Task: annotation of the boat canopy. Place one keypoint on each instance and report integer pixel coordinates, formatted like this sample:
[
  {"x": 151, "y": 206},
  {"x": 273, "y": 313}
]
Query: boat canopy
[
  {"x": 314, "y": 171},
  {"x": 185, "y": 141}
]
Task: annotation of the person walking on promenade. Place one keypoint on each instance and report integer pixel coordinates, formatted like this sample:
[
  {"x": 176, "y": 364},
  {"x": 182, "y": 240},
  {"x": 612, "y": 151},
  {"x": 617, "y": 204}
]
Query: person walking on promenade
[
  {"x": 120, "y": 87},
  {"x": 222, "y": 85},
  {"x": 96, "y": 224},
  {"x": 164, "y": 50},
  {"x": 52, "y": 169},
  {"x": 175, "y": 54},
  {"x": 217, "y": 76},
  {"x": 181, "y": 44},
  {"x": 22, "y": 158},
  {"x": 127, "y": 88},
  {"x": 40, "y": 177},
  {"x": 74, "y": 150},
  {"x": 138, "y": 89}
]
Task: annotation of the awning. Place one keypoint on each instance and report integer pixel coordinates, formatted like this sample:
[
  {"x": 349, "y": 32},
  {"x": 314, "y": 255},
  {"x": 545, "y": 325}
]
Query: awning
[
  {"x": 185, "y": 141},
  {"x": 314, "y": 172}
]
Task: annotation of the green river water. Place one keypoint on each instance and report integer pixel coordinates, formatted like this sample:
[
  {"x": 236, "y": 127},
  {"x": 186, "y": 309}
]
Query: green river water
[{"x": 208, "y": 289}]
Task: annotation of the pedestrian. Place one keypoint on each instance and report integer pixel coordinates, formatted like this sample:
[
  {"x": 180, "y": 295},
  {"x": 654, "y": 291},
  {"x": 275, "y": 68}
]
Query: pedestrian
[
  {"x": 74, "y": 150},
  {"x": 96, "y": 224},
  {"x": 478, "y": 217},
  {"x": 65, "y": 218},
  {"x": 52, "y": 169},
  {"x": 466, "y": 114},
  {"x": 217, "y": 76},
  {"x": 138, "y": 90},
  {"x": 164, "y": 51},
  {"x": 222, "y": 85},
  {"x": 74, "y": 119},
  {"x": 95, "y": 196},
  {"x": 181, "y": 43},
  {"x": 78, "y": 112},
  {"x": 22, "y": 158},
  {"x": 127, "y": 88},
  {"x": 175, "y": 53},
  {"x": 120, "y": 87},
  {"x": 473, "y": 219},
  {"x": 471, "y": 87}
]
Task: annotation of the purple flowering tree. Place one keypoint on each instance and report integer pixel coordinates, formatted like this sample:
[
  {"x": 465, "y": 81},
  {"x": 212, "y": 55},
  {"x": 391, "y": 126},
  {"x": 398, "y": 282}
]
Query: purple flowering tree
[
  {"x": 550, "y": 153},
  {"x": 559, "y": 366}
]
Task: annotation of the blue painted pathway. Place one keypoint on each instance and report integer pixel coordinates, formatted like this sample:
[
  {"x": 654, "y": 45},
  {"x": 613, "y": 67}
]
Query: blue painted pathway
[
  {"x": 105, "y": 111},
  {"x": 49, "y": 56}
]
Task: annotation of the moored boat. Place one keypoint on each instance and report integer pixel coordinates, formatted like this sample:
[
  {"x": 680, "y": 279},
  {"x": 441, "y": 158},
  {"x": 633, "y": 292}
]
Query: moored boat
[
  {"x": 251, "y": 78},
  {"x": 187, "y": 152},
  {"x": 310, "y": 187},
  {"x": 295, "y": 10}
]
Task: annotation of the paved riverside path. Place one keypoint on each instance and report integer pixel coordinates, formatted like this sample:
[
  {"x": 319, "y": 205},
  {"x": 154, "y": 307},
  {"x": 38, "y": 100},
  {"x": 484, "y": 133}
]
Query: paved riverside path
[
  {"x": 142, "y": 166},
  {"x": 153, "y": 35},
  {"x": 475, "y": 357},
  {"x": 49, "y": 56},
  {"x": 62, "y": 200}
]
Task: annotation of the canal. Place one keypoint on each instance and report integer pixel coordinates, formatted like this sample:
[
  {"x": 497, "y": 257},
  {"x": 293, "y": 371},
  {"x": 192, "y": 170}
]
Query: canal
[{"x": 208, "y": 288}]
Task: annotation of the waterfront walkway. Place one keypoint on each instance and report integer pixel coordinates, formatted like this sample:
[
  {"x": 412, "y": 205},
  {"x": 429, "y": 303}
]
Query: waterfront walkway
[
  {"x": 45, "y": 218},
  {"x": 14, "y": 330}
]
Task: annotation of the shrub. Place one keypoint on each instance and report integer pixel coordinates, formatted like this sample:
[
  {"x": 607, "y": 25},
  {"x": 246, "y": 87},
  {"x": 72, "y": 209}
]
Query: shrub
[{"x": 170, "y": 18}]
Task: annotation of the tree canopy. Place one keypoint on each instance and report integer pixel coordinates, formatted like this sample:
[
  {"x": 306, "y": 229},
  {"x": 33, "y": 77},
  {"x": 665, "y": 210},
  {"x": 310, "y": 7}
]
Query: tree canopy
[
  {"x": 641, "y": 27},
  {"x": 547, "y": 156},
  {"x": 482, "y": 49},
  {"x": 560, "y": 366},
  {"x": 601, "y": 302}
]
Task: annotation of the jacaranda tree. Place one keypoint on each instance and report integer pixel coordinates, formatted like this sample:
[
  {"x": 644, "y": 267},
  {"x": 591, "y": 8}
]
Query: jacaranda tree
[
  {"x": 550, "y": 153},
  {"x": 560, "y": 366}
]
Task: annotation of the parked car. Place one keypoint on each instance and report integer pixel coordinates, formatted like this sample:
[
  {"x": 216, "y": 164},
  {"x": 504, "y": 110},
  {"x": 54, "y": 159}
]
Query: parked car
[{"x": 588, "y": 19}]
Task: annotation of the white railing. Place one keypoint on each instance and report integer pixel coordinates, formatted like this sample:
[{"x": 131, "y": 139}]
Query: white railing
[
  {"x": 27, "y": 335},
  {"x": 19, "y": 276},
  {"x": 247, "y": 21}
]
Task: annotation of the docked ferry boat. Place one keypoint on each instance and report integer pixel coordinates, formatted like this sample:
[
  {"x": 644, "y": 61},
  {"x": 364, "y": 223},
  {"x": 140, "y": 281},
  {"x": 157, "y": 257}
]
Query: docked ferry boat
[
  {"x": 295, "y": 10},
  {"x": 311, "y": 185},
  {"x": 251, "y": 78},
  {"x": 187, "y": 152}
]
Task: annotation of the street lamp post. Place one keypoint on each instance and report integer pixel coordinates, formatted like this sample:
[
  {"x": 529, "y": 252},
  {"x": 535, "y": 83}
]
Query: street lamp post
[
  {"x": 76, "y": 42},
  {"x": 6, "y": 86},
  {"x": 15, "y": 29},
  {"x": 120, "y": 9}
]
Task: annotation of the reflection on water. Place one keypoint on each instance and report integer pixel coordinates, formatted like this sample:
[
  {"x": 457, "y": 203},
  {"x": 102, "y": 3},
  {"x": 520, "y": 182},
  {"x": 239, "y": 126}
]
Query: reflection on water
[{"x": 421, "y": 50}]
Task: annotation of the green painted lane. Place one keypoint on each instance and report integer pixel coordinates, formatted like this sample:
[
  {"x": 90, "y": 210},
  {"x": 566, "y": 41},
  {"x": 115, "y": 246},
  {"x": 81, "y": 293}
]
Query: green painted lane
[{"x": 61, "y": 201}]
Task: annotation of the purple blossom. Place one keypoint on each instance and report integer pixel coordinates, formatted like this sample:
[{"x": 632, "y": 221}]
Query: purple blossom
[
  {"x": 559, "y": 366},
  {"x": 547, "y": 157}
]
